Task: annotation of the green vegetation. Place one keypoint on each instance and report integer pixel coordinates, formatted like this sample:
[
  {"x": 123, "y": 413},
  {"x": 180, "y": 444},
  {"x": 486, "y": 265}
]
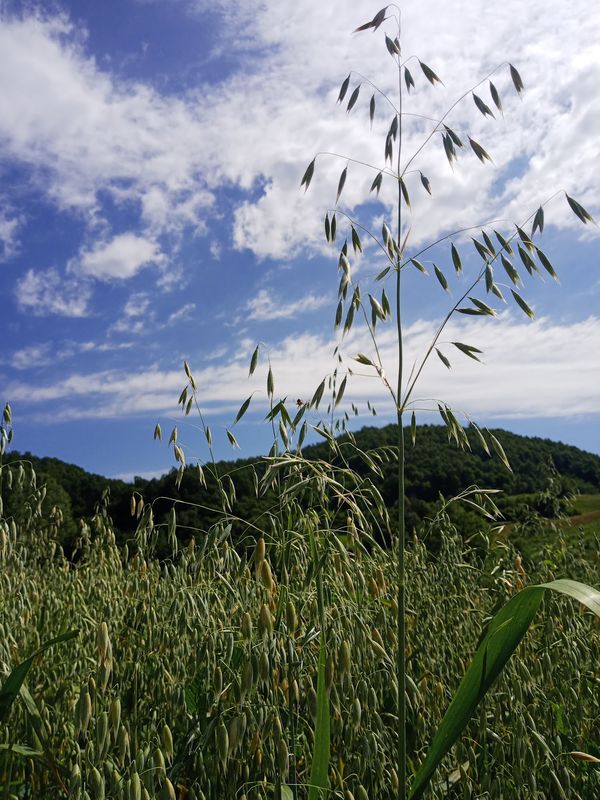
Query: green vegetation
[
  {"x": 282, "y": 636},
  {"x": 433, "y": 468},
  {"x": 179, "y": 680}
]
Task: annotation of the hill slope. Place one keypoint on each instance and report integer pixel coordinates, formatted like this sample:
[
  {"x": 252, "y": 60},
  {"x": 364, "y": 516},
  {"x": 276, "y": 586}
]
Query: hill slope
[{"x": 432, "y": 467}]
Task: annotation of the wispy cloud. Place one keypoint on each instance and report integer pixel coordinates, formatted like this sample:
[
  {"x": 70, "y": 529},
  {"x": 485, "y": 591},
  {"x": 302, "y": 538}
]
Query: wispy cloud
[
  {"x": 532, "y": 369},
  {"x": 264, "y": 306},
  {"x": 46, "y": 292},
  {"x": 9, "y": 229}
]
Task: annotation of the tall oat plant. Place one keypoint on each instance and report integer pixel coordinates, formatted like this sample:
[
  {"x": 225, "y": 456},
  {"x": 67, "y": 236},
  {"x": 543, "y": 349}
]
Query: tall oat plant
[{"x": 511, "y": 252}]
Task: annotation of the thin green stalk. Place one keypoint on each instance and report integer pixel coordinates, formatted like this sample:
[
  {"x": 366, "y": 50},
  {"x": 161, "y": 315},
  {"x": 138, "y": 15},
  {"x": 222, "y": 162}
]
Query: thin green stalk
[{"x": 401, "y": 612}]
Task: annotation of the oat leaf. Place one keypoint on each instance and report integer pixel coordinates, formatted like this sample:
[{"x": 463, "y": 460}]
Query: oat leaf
[
  {"x": 516, "y": 79},
  {"x": 343, "y": 89},
  {"x": 307, "y": 177},
  {"x": 341, "y": 183},
  {"x": 579, "y": 210},
  {"x": 481, "y": 154}
]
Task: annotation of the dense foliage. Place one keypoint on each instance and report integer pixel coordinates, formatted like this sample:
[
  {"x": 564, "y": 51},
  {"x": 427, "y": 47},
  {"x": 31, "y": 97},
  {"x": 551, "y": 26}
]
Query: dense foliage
[
  {"x": 433, "y": 468},
  {"x": 195, "y": 677}
]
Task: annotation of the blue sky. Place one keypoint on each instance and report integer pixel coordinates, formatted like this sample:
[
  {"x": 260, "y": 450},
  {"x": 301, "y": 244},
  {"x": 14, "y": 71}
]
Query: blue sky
[{"x": 151, "y": 153}]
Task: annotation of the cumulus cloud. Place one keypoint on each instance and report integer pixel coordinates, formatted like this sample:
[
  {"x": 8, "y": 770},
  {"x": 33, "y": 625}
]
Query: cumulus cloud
[
  {"x": 84, "y": 131},
  {"x": 118, "y": 259}
]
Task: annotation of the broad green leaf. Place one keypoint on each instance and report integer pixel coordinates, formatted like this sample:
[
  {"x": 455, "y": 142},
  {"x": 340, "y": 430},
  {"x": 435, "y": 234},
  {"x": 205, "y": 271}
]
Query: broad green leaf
[
  {"x": 319, "y": 772},
  {"x": 21, "y": 750},
  {"x": 505, "y": 631},
  {"x": 12, "y": 685}
]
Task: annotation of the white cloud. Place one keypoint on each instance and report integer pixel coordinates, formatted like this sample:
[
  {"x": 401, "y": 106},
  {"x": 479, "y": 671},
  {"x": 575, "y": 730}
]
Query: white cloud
[
  {"x": 46, "y": 292},
  {"x": 37, "y": 355},
  {"x": 264, "y": 307},
  {"x": 532, "y": 369},
  {"x": 9, "y": 227},
  {"x": 185, "y": 312},
  {"x": 118, "y": 259},
  {"x": 84, "y": 131}
]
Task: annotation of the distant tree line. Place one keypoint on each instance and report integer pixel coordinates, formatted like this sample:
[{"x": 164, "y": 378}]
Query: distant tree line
[{"x": 434, "y": 468}]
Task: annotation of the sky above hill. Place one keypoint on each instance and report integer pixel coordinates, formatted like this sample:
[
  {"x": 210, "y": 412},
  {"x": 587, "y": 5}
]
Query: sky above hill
[{"x": 151, "y": 153}]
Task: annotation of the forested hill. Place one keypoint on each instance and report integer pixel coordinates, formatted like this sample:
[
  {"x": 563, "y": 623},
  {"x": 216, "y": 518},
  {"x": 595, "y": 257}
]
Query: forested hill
[{"x": 432, "y": 467}]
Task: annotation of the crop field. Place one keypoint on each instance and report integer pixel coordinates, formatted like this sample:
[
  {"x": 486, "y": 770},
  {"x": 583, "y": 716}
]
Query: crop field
[{"x": 196, "y": 676}]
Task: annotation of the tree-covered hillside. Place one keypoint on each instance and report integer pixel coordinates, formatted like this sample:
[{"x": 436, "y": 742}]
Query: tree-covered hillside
[{"x": 433, "y": 467}]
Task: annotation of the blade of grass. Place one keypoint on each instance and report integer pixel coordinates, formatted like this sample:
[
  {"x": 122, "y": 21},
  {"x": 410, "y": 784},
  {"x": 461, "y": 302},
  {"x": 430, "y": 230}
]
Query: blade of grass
[
  {"x": 504, "y": 633},
  {"x": 319, "y": 773},
  {"x": 12, "y": 685}
]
